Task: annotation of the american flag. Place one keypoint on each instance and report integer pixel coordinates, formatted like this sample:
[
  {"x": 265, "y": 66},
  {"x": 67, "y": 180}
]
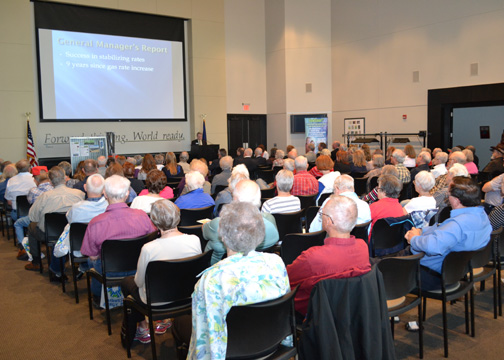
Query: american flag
[{"x": 31, "y": 154}]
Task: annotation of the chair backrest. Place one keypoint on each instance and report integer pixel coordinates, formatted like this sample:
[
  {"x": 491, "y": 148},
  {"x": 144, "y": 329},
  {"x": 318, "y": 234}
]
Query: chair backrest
[
  {"x": 294, "y": 244},
  {"x": 276, "y": 169},
  {"x": 122, "y": 255},
  {"x": 191, "y": 216},
  {"x": 256, "y": 330},
  {"x": 267, "y": 175},
  {"x": 444, "y": 214},
  {"x": 195, "y": 230},
  {"x": 361, "y": 231},
  {"x": 323, "y": 198},
  {"x": 385, "y": 236},
  {"x": 405, "y": 192},
  {"x": 311, "y": 212},
  {"x": 456, "y": 265},
  {"x": 358, "y": 174},
  {"x": 483, "y": 256},
  {"x": 219, "y": 188},
  {"x": 23, "y": 206},
  {"x": 268, "y": 193},
  {"x": 307, "y": 200},
  {"x": 498, "y": 238},
  {"x": 373, "y": 183},
  {"x": 77, "y": 231},
  {"x": 401, "y": 275},
  {"x": 174, "y": 280},
  {"x": 360, "y": 186},
  {"x": 288, "y": 223},
  {"x": 54, "y": 225}
]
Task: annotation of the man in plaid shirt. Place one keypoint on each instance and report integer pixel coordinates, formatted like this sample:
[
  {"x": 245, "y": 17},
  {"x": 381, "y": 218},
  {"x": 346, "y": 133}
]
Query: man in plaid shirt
[
  {"x": 304, "y": 182},
  {"x": 397, "y": 159}
]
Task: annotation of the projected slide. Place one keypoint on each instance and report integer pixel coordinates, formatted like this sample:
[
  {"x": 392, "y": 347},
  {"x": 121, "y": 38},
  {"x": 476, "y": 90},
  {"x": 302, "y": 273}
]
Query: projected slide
[{"x": 92, "y": 76}]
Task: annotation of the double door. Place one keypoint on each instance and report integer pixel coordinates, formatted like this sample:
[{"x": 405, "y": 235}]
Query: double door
[{"x": 245, "y": 130}]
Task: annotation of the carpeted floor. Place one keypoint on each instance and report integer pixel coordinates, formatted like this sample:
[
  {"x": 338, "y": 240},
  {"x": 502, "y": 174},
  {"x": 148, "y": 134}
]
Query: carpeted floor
[{"x": 38, "y": 321}]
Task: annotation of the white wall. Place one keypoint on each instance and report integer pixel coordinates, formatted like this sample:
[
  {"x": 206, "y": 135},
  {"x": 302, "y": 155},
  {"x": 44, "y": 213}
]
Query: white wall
[{"x": 206, "y": 75}]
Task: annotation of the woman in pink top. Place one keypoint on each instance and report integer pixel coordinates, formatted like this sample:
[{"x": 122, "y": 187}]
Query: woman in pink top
[{"x": 470, "y": 165}]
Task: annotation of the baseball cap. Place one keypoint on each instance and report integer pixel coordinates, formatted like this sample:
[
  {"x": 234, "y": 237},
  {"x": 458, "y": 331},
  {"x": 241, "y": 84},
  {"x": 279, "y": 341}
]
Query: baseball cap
[{"x": 37, "y": 169}]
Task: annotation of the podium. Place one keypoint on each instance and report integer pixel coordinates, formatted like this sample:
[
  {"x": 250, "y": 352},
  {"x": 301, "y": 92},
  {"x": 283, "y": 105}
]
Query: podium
[{"x": 208, "y": 152}]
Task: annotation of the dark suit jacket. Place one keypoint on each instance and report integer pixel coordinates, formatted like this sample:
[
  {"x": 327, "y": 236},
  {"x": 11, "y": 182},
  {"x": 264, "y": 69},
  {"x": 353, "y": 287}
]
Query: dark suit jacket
[
  {"x": 419, "y": 168},
  {"x": 195, "y": 142},
  {"x": 250, "y": 163},
  {"x": 261, "y": 161}
]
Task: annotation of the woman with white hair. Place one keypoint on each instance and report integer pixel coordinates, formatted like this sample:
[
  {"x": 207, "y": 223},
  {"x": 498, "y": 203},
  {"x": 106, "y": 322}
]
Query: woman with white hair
[
  {"x": 279, "y": 158},
  {"x": 424, "y": 182},
  {"x": 195, "y": 198},
  {"x": 441, "y": 196},
  {"x": 239, "y": 173},
  {"x": 284, "y": 202}
]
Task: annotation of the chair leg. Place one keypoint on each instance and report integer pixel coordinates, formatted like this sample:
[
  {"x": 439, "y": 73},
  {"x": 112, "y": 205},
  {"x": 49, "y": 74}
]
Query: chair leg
[
  {"x": 499, "y": 284},
  {"x": 128, "y": 340},
  {"x": 424, "y": 308},
  {"x": 90, "y": 300},
  {"x": 482, "y": 286},
  {"x": 466, "y": 313},
  {"x": 473, "y": 332},
  {"x": 62, "y": 267},
  {"x": 153, "y": 337},
  {"x": 40, "y": 256},
  {"x": 74, "y": 278},
  {"x": 48, "y": 255},
  {"x": 495, "y": 294},
  {"x": 107, "y": 309},
  {"x": 420, "y": 330},
  {"x": 392, "y": 325},
  {"x": 445, "y": 329}
]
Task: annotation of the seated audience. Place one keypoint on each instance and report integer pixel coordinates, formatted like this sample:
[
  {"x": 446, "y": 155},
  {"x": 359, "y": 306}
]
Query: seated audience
[
  {"x": 475, "y": 158},
  {"x": 341, "y": 256},
  {"x": 496, "y": 163},
  {"x": 82, "y": 212},
  {"x": 245, "y": 191},
  {"x": 226, "y": 164},
  {"x": 248, "y": 161},
  {"x": 238, "y": 174},
  {"x": 389, "y": 189},
  {"x": 101, "y": 162},
  {"x": 90, "y": 167},
  {"x": 326, "y": 181},
  {"x": 470, "y": 165},
  {"x": 292, "y": 154},
  {"x": 397, "y": 160},
  {"x": 156, "y": 182},
  {"x": 148, "y": 164},
  {"x": 214, "y": 167},
  {"x": 60, "y": 199},
  {"x": 310, "y": 155},
  {"x": 116, "y": 169},
  {"x": 201, "y": 167},
  {"x": 284, "y": 202},
  {"x": 342, "y": 163},
  {"x": 304, "y": 183},
  {"x": 439, "y": 163},
  {"x": 456, "y": 157},
  {"x": 171, "y": 245},
  {"x": 244, "y": 277},
  {"x": 258, "y": 157},
  {"x": 358, "y": 166},
  {"x": 467, "y": 228},
  {"x": 172, "y": 169},
  {"x": 118, "y": 222},
  {"x": 18, "y": 185},
  {"x": 344, "y": 186},
  {"x": 419, "y": 206},
  {"x": 195, "y": 198},
  {"x": 441, "y": 196},
  {"x": 377, "y": 163},
  {"x": 497, "y": 214},
  {"x": 388, "y": 155},
  {"x": 8, "y": 172},
  {"x": 422, "y": 164},
  {"x": 279, "y": 158},
  {"x": 492, "y": 190},
  {"x": 409, "y": 160},
  {"x": 67, "y": 168},
  {"x": 129, "y": 173},
  {"x": 160, "y": 160},
  {"x": 373, "y": 194}
]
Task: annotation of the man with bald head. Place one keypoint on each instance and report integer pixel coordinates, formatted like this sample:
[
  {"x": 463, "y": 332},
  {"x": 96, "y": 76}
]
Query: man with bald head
[
  {"x": 248, "y": 161},
  {"x": 341, "y": 256},
  {"x": 245, "y": 191}
]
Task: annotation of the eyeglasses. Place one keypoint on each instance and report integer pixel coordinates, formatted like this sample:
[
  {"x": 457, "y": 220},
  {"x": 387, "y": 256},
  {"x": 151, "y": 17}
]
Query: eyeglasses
[{"x": 322, "y": 214}]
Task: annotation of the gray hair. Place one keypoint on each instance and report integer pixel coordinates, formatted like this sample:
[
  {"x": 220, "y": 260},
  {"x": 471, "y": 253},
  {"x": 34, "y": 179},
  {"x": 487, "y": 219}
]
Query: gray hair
[
  {"x": 23, "y": 166},
  {"x": 159, "y": 158},
  {"x": 102, "y": 161},
  {"x": 184, "y": 156},
  {"x": 194, "y": 180},
  {"x": 241, "y": 169},
  {"x": 258, "y": 151},
  {"x": 284, "y": 180},
  {"x": 117, "y": 187},
  {"x": 57, "y": 176},
  {"x": 247, "y": 191},
  {"x": 399, "y": 155},
  {"x": 458, "y": 170},
  {"x": 325, "y": 151},
  {"x": 131, "y": 161},
  {"x": 426, "y": 156},
  {"x": 165, "y": 215},
  {"x": 289, "y": 164},
  {"x": 435, "y": 151},
  {"x": 390, "y": 170},
  {"x": 343, "y": 212},
  {"x": 241, "y": 227},
  {"x": 458, "y": 157},
  {"x": 279, "y": 154},
  {"x": 311, "y": 146},
  {"x": 248, "y": 152},
  {"x": 378, "y": 161},
  {"x": 9, "y": 171},
  {"x": 390, "y": 185},
  {"x": 138, "y": 159},
  {"x": 236, "y": 177},
  {"x": 90, "y": 166},
  {"x": 442, "y": 157},
  {"x": 469, "y": 155},
  {"x": 95, "y": 184},
  {"x": 226, "y": 162},
  {"x": 344, "y": 182},
  {"x": 200, "y": 166},
  {"x": 301, "y": 163},
  {"x": 67, "y": 167},
  {"x": 425, "y": 180}
]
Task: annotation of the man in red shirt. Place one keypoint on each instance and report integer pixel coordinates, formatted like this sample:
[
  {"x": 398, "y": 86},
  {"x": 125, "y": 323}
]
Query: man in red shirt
[
  {"x": 341, "y": 256},
  {"x": 304, "y": 182}
]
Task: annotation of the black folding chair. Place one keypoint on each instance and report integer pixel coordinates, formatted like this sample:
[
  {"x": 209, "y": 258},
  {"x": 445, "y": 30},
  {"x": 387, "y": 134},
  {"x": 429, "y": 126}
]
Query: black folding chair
[
  {"x": 288, "y": 223},
  {"x": 117, "y": 256},
  {"x": 76, "y": 235},
  {"x": 360, "y": 186},
  {"x": 257, "y": 330},
  {"x": 294, "y": 244},
  {"x": 307, "y": 200},
  {"x": 170, "y": 282},
  {"x": 401, "y": 276},
  {"x": 311, "y": 212},
  {"x": 361, "y": 231},
  {"x": 54, "y": 224},
  {"x": 195, "y": 230},
  {"x": 268, "y": 193},
  {"x": 191, "y": 216},
  {"x": 386, "y": 239},
  {"x": 267, "y": 175}
]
